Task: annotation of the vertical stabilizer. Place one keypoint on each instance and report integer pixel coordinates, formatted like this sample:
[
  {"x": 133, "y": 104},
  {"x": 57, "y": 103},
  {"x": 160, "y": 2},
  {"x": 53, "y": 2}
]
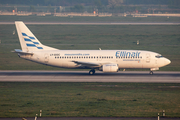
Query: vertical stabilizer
[{"x": 28, "y": 41}]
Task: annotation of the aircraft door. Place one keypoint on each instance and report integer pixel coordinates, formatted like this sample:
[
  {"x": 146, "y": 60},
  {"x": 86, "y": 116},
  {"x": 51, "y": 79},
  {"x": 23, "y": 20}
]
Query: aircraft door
[
  {"x": 148, "y": 57},
  {"x": 156, "y": 63},
  {"x": 46, "y": 58}
]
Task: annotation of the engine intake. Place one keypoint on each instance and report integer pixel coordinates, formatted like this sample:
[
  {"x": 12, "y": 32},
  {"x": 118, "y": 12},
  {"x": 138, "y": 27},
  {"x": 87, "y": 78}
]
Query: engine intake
[{"x": 110, "y": 68}]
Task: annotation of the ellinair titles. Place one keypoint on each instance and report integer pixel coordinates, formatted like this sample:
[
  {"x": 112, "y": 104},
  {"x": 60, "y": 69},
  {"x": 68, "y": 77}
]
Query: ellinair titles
[
  {"x": 102, "y": 60},
  {"x": 126, "y": 54},
  {"x": 130, "y": 55}
]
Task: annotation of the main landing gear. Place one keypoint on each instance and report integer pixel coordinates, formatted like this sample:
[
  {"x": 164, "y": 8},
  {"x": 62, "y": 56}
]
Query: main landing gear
[
  {"x": 91, "y": 72},
  {"x": 151, "y": 72}
]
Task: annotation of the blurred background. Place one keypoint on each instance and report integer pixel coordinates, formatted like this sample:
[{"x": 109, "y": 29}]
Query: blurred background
[{"x": 90, "y": 7}]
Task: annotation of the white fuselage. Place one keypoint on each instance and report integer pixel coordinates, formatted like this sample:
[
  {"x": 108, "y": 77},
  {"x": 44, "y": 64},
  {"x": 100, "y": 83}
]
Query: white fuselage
[{"x": 123, "y": 58}]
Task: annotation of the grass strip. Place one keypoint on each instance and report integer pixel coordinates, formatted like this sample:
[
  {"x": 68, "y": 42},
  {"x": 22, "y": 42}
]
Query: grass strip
[{"x": 25, "y": 99}]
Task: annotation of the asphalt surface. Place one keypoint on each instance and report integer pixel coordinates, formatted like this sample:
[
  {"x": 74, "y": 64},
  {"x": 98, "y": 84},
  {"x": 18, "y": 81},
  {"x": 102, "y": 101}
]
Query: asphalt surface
[{"x": 83, "y": 76}]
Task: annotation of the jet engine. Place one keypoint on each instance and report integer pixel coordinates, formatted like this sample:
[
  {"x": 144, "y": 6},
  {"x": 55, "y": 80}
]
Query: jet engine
[{"x": 110, "y": 68}]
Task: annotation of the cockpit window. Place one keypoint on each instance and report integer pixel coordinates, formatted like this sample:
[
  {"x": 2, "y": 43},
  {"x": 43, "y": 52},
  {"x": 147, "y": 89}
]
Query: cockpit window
[{"x": 158, "y": 56}]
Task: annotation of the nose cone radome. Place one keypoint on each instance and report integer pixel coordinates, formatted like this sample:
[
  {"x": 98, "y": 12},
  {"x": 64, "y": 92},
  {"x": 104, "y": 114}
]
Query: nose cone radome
[{"x": 166, "y": 61}]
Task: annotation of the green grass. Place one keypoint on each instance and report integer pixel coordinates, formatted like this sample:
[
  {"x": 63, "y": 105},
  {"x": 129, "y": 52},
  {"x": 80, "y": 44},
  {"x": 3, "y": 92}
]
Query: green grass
[
  {"x": 162, "y": 39},
  {"x": 89, "y": 99}
]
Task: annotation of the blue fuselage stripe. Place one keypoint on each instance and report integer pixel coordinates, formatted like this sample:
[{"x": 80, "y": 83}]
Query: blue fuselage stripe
[
  {"x": 27, "y": 39},
  {"x": 31, "y": 45},
  {"x": 36, "y": 43},
  {"x": 24, "y": 34},
  {"x": 39, "y": 47},
  {"x": 32, "y": 38}
]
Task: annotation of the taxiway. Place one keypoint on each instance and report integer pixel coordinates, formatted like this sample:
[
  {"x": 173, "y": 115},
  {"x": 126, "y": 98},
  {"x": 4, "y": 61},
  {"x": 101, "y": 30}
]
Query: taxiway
[
  {"x": 94, "y": 23},
  {"x": 83, "y": 76}
]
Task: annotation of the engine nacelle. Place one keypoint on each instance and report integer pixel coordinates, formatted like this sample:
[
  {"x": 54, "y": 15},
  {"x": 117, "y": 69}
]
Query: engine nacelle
[{"x": 110, "y": 68}]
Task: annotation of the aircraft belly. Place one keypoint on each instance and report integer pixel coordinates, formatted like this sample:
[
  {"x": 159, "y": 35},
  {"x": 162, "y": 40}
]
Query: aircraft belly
[
  {"x": 66, "y": 64},
  {"x": 71, "y": 64}
]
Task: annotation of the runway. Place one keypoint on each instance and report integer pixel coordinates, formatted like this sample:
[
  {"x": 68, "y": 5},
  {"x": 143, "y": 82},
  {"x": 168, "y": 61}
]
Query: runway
[
  {"x": 94, "y": 23},
  {"x": 83, "y": 76}
]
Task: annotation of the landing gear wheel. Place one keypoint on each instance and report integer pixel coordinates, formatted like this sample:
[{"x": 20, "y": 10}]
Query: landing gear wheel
[
  {"x": 151, "y": 72},
  {"x": 91, "y": 72}
]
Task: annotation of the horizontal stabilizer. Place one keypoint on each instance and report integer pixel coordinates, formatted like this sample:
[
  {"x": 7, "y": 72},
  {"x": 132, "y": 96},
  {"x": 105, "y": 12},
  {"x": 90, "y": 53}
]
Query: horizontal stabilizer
[{"x": 22, "y": 52}]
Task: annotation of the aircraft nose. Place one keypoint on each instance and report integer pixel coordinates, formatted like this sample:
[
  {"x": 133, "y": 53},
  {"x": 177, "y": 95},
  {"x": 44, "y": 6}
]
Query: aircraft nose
[{"x": 167, "y": 61}]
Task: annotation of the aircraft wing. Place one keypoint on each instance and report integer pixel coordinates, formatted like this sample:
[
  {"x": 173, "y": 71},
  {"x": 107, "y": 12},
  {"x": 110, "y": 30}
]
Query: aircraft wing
[
  {"x": 87, "y": 64},
  {"x": 22, "y": 52}
]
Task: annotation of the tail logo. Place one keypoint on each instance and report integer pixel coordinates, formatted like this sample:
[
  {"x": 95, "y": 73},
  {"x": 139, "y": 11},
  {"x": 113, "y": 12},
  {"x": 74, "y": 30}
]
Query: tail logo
[{"x": 31, "y": 41}]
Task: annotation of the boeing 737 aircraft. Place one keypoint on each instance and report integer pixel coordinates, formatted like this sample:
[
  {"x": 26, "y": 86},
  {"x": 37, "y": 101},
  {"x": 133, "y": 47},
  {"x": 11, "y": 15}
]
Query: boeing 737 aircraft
[{"x": 102, "y": 60}]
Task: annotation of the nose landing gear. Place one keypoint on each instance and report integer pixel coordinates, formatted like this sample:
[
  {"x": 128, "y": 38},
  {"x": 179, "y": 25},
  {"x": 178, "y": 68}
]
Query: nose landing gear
[
  {"x": 91, "y": 72},
  {"x": 152, "y": 69},
  {"x": 151, "y": 72}
]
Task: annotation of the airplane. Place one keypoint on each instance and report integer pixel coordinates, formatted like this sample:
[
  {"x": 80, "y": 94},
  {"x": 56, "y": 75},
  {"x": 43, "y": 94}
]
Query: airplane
[{"x": 102, "y": 60}]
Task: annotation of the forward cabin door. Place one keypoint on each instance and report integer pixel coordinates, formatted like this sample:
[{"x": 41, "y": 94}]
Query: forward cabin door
[{"x": 148, "y": 58}]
